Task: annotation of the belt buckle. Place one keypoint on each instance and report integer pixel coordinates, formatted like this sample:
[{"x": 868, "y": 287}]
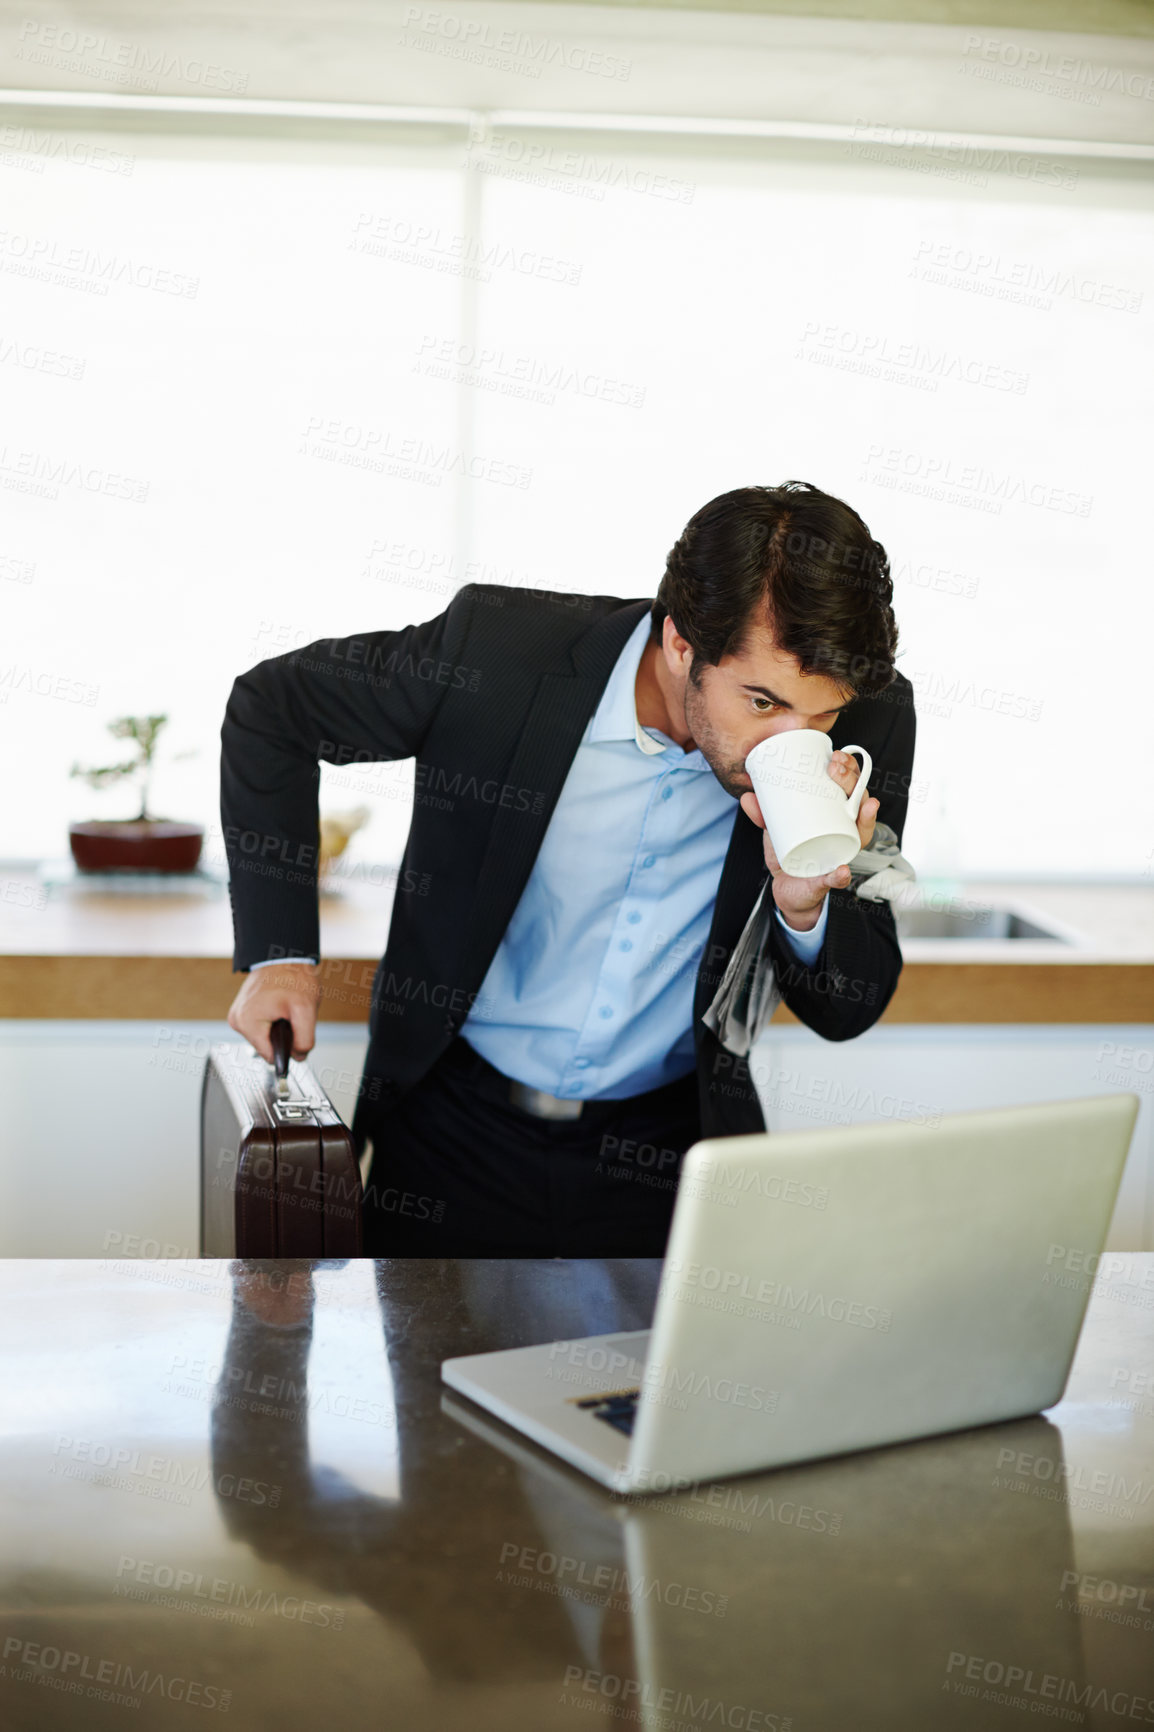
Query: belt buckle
[{"x": 543, "y": 1105}]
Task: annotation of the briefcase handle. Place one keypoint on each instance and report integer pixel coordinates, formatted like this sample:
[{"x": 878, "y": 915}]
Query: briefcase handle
[{"x": 281, "y": 1035}]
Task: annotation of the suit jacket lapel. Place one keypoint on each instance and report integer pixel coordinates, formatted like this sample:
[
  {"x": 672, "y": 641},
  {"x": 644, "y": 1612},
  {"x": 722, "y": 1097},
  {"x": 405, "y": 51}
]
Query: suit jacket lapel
[{"x": 565, "y": 698}]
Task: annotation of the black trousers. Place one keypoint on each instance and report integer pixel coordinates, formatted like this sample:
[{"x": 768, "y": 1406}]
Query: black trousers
[{"x": 459, "y": 1171}]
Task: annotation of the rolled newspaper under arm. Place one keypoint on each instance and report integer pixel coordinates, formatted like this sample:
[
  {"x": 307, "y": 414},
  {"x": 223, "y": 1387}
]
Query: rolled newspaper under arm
[{"x": 748, "y": 995}]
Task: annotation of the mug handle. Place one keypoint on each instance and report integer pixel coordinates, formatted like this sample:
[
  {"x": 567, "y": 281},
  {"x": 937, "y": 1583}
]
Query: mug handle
[{"x": 854, "y": 800}]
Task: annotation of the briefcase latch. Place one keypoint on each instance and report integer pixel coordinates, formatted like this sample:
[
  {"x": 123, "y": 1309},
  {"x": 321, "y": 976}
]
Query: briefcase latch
[{"x": 294, "y": 1112}]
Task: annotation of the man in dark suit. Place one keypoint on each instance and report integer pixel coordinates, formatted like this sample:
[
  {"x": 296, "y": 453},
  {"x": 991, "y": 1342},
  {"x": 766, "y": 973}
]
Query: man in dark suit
[{"x": 537, "y": 1061}]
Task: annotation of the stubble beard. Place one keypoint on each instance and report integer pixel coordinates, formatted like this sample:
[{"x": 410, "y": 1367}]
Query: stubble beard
[{"x": 706, "y": 741}]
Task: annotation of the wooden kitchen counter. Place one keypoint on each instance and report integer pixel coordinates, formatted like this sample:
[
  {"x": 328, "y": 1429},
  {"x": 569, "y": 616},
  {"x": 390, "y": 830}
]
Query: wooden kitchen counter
[{"x": 69, "y": 952}]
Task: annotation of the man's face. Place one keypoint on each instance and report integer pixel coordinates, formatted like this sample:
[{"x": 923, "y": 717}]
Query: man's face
[{"x": 745, "y": 699}]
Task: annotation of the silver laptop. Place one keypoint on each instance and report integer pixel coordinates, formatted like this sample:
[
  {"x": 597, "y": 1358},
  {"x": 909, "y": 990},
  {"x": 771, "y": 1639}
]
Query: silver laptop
[{"x": 829, "y": 1291}]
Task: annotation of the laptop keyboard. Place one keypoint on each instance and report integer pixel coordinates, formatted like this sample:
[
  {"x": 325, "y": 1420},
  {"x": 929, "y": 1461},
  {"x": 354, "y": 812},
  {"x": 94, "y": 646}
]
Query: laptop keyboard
[{"x": 618, "y": 1410}]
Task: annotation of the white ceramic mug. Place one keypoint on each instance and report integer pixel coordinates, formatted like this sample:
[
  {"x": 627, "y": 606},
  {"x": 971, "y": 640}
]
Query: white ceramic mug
[{"x": 811, "y": 823}]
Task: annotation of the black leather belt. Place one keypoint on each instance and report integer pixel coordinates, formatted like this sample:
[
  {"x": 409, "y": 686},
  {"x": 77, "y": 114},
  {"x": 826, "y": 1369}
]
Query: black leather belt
[{"x": 496, "y": 1086}]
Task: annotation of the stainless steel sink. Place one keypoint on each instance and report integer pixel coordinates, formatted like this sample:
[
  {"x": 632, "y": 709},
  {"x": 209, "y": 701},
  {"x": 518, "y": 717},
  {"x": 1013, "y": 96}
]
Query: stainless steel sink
[{"x": 970, "y": 922}]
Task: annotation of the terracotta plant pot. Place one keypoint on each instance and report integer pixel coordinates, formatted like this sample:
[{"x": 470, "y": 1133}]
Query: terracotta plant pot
[{"x": 157, "y": 845}]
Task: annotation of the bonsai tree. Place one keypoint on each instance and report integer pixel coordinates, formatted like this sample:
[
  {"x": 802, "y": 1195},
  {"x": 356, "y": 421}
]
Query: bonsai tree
[{"x": 144, "y": 731}]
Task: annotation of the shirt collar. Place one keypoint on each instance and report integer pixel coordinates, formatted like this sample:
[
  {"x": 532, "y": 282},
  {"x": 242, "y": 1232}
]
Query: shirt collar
[{"x": 615, "y": 717}]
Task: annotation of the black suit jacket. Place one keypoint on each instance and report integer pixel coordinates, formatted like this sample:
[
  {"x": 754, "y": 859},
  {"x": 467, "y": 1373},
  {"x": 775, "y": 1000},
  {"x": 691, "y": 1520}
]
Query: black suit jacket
[{"x": 491, "y": 697}]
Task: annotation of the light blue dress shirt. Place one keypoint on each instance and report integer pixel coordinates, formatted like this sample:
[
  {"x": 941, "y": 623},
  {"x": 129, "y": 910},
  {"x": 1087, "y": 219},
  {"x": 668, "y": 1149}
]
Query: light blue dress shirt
[{"x": 590, "y": 993}]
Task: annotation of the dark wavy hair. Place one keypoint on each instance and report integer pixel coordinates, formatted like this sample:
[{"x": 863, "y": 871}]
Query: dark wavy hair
[{"x": 795, "y": 560}]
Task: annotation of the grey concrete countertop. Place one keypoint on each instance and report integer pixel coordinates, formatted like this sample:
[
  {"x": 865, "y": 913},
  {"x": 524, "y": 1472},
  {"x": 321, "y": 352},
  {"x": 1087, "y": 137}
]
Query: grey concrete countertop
[{"x": 248, "y": 1483}]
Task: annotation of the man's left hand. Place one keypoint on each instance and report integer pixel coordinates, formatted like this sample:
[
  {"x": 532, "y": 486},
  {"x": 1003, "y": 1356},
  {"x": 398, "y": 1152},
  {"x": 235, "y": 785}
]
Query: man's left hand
[{"x": 800, "y": 899}]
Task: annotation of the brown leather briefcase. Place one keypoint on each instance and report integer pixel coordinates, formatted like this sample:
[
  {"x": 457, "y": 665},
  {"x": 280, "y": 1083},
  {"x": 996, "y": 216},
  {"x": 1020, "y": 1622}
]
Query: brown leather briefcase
[{"x": 278, "y": 1172}]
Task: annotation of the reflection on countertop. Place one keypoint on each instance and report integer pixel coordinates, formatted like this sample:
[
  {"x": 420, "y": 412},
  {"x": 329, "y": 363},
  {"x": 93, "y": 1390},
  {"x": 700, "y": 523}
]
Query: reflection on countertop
[{"x": 247, "y": 1481}]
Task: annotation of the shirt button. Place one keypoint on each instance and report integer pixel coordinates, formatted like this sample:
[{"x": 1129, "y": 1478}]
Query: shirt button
[
  {"x": 633, "y": 919},
  {"x": 666, "y": 793},
  {"x": 605, "y": 1011},
  {"x": 626, "y": 944},
  {"x": 649, "y": 860}
]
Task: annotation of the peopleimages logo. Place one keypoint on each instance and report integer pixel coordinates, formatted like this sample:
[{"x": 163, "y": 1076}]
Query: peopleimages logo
[
  {"x": 738, "y": 1284},
  {"x": 158, "y": 1476},
  {"x": 1023, "y": 281},
  {"x": 1097, "y": 1480},
  {"x": 406, "y": 457},
  {"x": 658, "y": 1379},
  {"x": 634, "y": 1700},
  {"x": 1104, "y": 1591},
  {"x": 659, "y": 1382},
  {"x": 603, "y": 1579},
  {"x": 716, "y": 1169},
  {"x": 1070, "y": 69},
  {"x": 591, "y": 176},
  {"x": 120, "y": 61},
  {"x": 519, "y": 374},
  {"x": 45, "y": 253},
  {"x": 219, "y": 1591},
  {"x": 510, "y": 49},
  {"x": 63, "y": 1669},
  {"x": 1023, "y": 1687}
]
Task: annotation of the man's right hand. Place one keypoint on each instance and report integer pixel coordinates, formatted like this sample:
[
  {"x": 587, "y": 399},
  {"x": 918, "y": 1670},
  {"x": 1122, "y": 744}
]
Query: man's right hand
[{"x": 292, "y": 990}]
